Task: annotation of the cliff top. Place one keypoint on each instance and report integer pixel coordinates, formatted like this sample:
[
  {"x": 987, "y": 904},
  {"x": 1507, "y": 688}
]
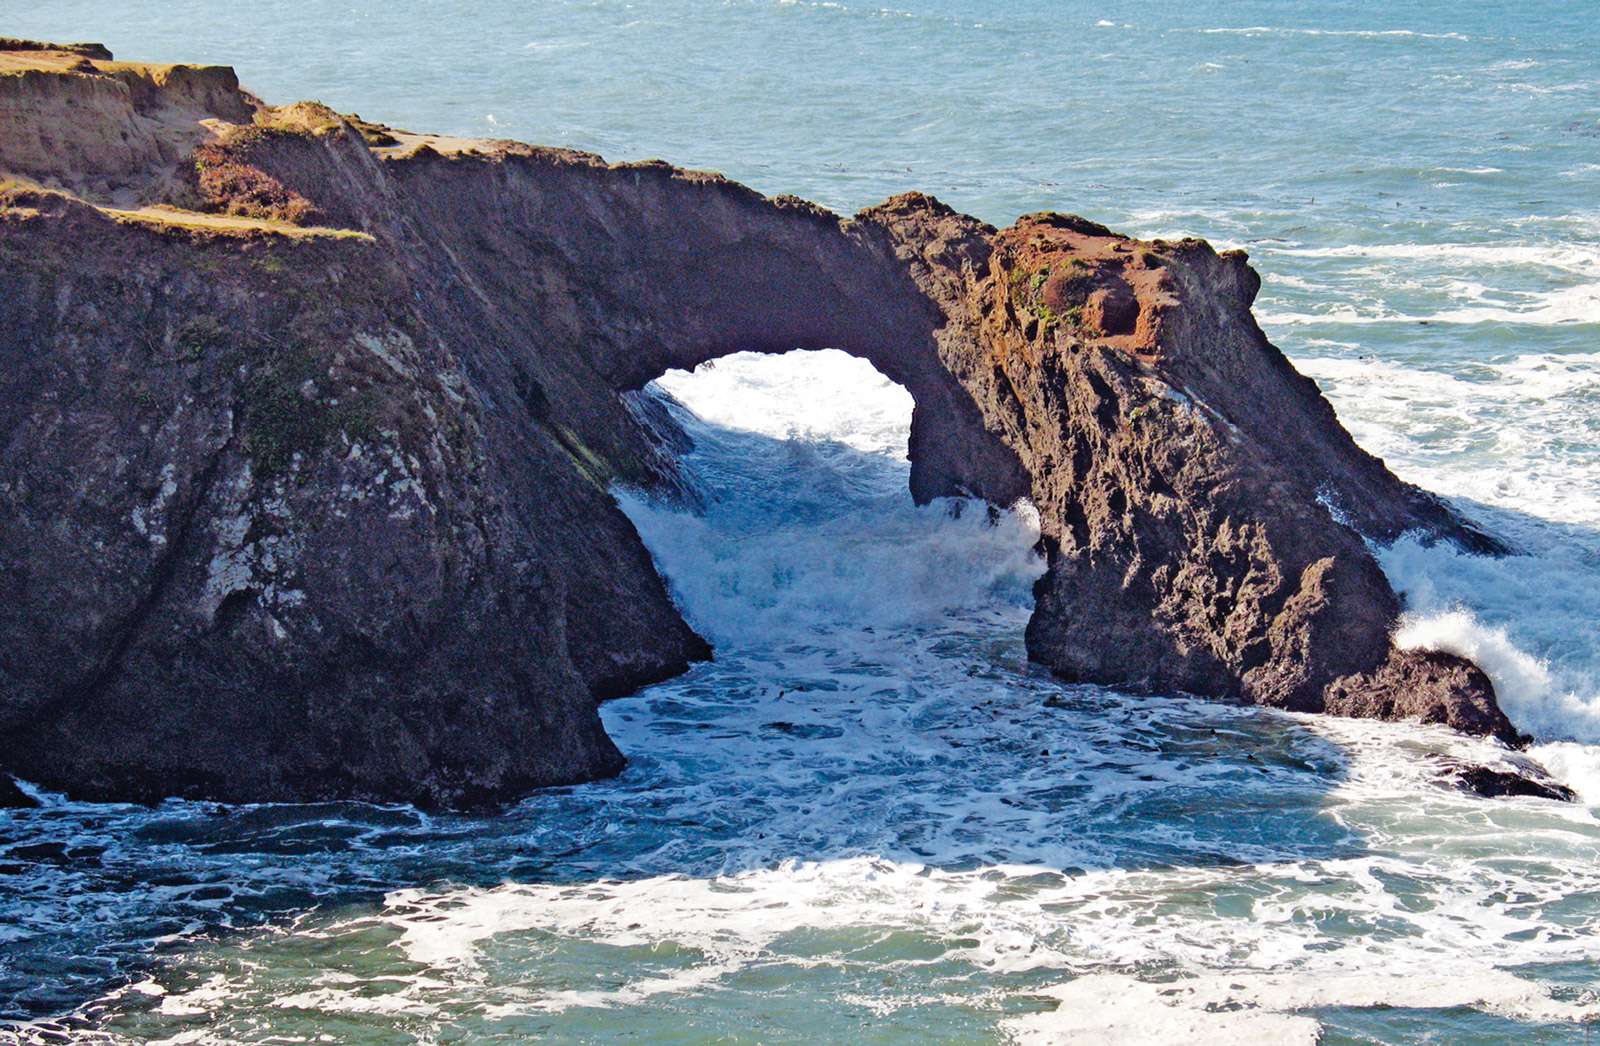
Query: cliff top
[
  {"x": 162, "y": 143},
  {"x": 97, "y": 51},
  {"x": 123, "y": 136}
]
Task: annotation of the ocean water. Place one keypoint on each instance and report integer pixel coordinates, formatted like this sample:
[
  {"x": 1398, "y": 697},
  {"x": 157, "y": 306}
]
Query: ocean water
[{"x": 870, "y": 820}]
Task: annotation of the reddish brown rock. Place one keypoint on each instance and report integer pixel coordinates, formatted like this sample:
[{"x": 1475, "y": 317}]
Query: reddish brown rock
[
  {"x": 1111, "y": 309},
  {"x": 1203, "y": 510}
]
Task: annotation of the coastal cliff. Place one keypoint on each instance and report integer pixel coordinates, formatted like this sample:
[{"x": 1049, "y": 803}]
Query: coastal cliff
[{"x": 308, "y": 429}]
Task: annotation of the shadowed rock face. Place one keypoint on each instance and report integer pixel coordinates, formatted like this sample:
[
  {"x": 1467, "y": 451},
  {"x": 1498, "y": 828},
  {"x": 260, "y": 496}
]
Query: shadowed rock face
[
  {"x": 262, "y": 539},
  {"x": 304, "y": 475}
]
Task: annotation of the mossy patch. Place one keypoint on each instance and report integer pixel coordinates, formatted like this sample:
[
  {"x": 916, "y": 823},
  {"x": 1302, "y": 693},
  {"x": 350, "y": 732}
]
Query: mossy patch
[
  {"x": 592, "y": 465},
  {"x": 200, "y": 336},
  {"x": 285, "y": 414},
  {"x": 1053, "y": 296},
  {"x": 1068, "y": 288},
  {"x": 1022, "y": 287},
  {"x": 243, "y": 138}
]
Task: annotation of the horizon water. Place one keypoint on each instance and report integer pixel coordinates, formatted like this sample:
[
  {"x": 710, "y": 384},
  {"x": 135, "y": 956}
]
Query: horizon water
[{"x": 870, "y": 819}]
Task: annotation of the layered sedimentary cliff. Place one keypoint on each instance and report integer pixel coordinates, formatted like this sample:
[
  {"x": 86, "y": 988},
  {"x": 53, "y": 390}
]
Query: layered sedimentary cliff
[{"x": 307, "y": 429}]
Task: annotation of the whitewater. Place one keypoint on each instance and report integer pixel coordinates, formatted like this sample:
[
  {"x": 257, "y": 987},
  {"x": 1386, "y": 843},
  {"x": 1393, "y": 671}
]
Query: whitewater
[{"x": 870, "y": 819}]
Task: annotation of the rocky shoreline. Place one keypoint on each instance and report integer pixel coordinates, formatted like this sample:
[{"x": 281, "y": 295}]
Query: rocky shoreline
[{"x": 308, "y": 428}]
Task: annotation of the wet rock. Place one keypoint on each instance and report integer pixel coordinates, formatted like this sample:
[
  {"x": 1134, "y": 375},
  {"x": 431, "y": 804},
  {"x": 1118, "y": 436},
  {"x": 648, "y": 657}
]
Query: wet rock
[
  {"x": 14, "y": 798},
  {"x": 1429, "y": 686},
  {"x": 1481, "y": 780},
  {"x": 1520, "y": 778},
  {"x": 55, "y": 853}
]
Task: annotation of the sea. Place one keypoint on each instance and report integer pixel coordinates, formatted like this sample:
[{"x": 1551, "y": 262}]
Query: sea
[{"x": 870, "y": 820}]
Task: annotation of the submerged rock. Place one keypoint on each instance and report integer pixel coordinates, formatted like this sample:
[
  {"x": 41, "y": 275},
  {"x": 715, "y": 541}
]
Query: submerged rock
[{"x": 307, "y": 430}]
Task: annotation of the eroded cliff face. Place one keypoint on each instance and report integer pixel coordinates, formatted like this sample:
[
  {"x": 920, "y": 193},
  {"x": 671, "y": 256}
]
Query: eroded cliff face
[
  {"x": 307, "y": 429},
  {"x": 72, "y": 116}
]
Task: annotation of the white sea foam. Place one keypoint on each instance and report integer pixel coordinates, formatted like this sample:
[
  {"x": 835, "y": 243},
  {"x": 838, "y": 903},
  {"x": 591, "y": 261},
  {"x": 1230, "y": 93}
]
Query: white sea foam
[
  {"x": 1542, "y": 603},
  {"x": 1573, "y": 764},
  {"x": 1514, "y": 441},
  {"x": 1244, "y": 947},
  {"x": 1262, "y": 30},
  {"x": 823, "y": 395},
  {"x": 1511, "y": 433},
  {"x": 1568, "y": 305},
  {"x": 725, "y": 923},
  {"x": 1517, "y": 439},
  {"x": 828, "y": 533},
  {"x": 1256, "y": 1010},
  {"x": 1578, "y": 258},
  {"x": 1531, "y": 284},
  {"x": 1579, "y": 304},
  {"x": 1252, "y": 941},
  {"x": 915, "y": 567},
  {"x": 1522, "y": 682}
]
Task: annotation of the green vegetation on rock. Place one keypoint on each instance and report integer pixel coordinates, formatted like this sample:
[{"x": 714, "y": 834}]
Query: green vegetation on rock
[{"x": 285, "y": 415}]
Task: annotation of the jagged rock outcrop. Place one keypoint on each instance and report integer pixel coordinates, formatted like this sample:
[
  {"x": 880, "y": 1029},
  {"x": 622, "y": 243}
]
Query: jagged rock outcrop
[
  {"x": 307, "y": 428},
  {"x": 1203, "y": 509}
]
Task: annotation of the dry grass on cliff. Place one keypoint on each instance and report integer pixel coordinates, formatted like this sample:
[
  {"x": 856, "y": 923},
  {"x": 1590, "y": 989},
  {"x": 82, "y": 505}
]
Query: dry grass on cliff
[{"x": 174, "y": 218}]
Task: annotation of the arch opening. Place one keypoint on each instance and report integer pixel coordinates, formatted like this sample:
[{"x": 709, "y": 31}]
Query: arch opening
[{"x": 804, "y": 521}]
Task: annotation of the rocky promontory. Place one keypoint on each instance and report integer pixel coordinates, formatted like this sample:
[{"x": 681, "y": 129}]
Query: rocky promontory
[{"x": 308, "y": 428}]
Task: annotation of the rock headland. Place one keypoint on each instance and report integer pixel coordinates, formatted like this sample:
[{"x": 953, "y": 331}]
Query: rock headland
[{"x": 308, "y": 428}]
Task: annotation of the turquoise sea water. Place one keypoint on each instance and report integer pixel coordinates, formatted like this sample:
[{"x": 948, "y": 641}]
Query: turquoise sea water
[{"x": 870, "y": 820}]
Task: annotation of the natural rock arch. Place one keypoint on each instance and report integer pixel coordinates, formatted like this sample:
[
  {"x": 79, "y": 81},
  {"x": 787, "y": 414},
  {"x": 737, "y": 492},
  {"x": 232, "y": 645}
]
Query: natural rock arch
[
  {"x": 1204, "y": 510},
  {"x": 346, "y": 482}
]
